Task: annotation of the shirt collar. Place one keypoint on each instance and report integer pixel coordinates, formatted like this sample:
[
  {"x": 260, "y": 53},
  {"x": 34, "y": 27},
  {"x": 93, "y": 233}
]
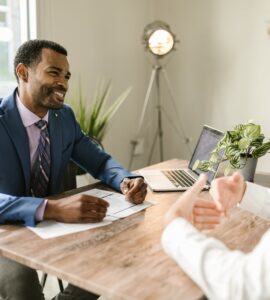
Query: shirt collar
[{"x": 28, "y": 118}]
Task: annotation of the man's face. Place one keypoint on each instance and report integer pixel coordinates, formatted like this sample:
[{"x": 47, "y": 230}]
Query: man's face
[{"x": 48, "y": 81}]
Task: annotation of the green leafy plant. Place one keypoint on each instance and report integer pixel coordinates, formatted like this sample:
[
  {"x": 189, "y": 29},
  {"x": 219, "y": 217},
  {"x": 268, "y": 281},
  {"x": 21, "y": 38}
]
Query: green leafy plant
[
  {"x": 94, "y": 118},
  {"x": 237, "y": 145}
]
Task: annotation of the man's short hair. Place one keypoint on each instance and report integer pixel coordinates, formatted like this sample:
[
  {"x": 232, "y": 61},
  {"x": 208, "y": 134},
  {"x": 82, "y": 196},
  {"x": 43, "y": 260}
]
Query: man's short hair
[{"x": 29, "y": 53}]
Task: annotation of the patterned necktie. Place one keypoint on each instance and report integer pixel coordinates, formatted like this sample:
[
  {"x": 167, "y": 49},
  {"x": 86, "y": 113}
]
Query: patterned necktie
[{"x": 41, "y": 167}]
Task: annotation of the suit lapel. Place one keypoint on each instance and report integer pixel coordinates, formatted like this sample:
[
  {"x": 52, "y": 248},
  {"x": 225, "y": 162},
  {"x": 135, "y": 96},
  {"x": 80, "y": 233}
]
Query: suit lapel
[
  {"x": 12, "y": 122},
  {"x": 55, "y": 131}
]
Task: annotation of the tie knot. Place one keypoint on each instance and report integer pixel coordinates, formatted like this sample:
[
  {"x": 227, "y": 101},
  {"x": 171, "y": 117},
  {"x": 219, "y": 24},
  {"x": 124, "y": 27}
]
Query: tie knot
[{"x": 41, "y": 124}]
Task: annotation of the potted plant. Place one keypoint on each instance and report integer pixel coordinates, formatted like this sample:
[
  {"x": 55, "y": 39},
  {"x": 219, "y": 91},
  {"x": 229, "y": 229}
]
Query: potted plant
[
  {"x": 93, "y": 119},
  {"x": 241, "y": 147}
]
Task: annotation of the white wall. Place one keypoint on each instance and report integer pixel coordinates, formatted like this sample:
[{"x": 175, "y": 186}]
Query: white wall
[
  {"x": 103, "y": 39},
  {"x": 220, "y": 72}
]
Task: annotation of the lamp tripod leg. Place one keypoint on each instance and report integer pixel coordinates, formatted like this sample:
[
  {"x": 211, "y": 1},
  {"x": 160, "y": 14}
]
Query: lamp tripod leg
[
  {"x": 159, "y": 115},
  {"x": 145, "y": 104},
  {"x": 152, "y": 148},
  {"x": 159, "y": 133},
  {"x": 183, "y": 133}
]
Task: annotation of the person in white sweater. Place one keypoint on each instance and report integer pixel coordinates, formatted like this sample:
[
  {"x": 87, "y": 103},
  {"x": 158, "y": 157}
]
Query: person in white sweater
[{"x": 220, "y": 272}]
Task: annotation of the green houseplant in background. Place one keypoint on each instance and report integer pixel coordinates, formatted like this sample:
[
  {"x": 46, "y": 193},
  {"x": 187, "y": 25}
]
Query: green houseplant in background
[
  {"x": 94, "y": 116},
  {"x": 241, "y": 147}
]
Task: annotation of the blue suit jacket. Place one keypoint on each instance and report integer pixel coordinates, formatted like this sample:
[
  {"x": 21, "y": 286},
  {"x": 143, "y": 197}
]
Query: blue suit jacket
[{"x": 67, "y": 142}]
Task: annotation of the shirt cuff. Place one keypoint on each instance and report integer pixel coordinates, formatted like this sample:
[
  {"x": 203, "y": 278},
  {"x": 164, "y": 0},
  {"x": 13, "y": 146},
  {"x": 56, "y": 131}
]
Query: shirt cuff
[
  {"x": 133, "y": 176},
  {"x": 254, "y": 198},
  {"x": 39, "y": 216}
]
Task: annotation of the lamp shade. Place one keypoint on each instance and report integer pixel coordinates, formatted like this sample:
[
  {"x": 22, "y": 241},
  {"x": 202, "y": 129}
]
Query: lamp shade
[{"x": 158, "y": 38}]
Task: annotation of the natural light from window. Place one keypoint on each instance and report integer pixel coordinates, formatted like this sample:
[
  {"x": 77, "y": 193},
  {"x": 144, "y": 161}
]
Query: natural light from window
[{"x": 15, "y": 28}]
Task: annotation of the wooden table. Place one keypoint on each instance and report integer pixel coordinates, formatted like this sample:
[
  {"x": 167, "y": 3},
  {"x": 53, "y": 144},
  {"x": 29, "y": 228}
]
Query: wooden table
[{"x": 125, "y": 260}]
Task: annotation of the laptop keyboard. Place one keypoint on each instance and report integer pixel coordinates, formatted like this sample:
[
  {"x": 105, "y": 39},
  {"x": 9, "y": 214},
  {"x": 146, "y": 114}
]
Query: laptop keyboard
[{"x": 179, "y": 178}]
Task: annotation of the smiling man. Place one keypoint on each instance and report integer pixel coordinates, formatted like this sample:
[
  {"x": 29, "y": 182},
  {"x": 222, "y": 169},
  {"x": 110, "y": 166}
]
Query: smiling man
[{"x": 39, "y": 136}]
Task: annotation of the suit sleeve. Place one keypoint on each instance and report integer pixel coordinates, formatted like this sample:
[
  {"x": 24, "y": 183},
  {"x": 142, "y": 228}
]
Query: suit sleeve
[
  {"x": 18, "y": 209},
  {"x": 96, "y": 161},
  {"x": 112, "y": 173}
]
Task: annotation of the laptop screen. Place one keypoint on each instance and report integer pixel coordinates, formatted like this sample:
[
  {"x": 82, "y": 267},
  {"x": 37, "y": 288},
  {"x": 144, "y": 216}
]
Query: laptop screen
[{"x": 206, "y": 144}]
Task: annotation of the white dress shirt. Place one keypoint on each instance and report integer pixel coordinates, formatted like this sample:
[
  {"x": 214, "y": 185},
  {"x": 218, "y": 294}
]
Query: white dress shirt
[{"x": 220, "y": 272}]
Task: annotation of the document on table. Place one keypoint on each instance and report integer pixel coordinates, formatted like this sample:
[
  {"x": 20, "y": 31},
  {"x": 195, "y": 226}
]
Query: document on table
[
  {"x": 52, "y": 229},
  {"x": 119, "y": 208}
]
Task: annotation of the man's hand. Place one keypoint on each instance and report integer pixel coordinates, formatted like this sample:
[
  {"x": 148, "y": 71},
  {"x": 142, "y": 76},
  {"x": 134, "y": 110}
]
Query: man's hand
[
  {"x": 134, "y": 189},
  {"x": 183, "y": 207},
  {"x": 227, "y": 192},
  {"x": 76, "y": 209}
]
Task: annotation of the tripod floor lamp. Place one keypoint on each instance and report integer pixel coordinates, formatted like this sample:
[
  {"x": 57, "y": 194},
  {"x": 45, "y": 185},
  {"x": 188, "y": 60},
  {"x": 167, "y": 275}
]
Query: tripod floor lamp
[{"x": 159, "y": 41}]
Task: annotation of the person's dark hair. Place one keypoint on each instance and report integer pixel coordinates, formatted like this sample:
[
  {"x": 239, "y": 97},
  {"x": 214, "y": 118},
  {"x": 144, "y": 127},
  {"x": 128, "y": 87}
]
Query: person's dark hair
[{"x": 29, "y": 53}]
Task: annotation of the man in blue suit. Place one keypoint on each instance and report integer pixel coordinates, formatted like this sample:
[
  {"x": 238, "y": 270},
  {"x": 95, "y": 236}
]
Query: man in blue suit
[{"x": 42, "y": 71}]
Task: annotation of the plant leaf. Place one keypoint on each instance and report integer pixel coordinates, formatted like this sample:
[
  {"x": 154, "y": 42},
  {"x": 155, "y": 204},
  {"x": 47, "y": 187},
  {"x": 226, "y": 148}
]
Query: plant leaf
[
  {"x": 252, "y": 131},
  {"x": 243, "y": 143},
  {"x": 262, "y": 150},
  {"x": 117, "y": 103},
  {"x": 94, "y": 118}
]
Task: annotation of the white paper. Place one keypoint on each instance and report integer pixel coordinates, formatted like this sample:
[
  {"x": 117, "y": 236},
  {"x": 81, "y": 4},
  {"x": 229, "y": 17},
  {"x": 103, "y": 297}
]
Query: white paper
[
  {"x": 132, "y": 210},
  {"x": 119, "y": 208},
  {"x": 52, "y": 229}
]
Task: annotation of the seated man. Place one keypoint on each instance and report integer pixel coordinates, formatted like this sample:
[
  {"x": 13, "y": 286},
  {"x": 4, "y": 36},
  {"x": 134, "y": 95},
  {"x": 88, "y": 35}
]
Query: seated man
[
  {"x": 219, "y": 271},
  {"x": 39, "y": 136}
]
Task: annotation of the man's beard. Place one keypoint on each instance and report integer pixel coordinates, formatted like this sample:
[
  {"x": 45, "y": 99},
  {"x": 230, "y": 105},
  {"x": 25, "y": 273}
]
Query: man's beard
[{"x": 45, "y": 97}]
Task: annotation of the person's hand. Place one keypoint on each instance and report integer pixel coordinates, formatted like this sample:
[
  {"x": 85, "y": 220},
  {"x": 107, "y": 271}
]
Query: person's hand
[
  {"x": 205, "y": 215},
  {"x": 227, "y": 192},
  {"x": 134, "y": 189},
  {"x": 76, "y": 209},
  {"x": 201, "y": 212}
]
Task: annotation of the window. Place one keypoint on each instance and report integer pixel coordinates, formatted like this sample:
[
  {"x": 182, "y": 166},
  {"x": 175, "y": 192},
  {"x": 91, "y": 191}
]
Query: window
[
  {"x": 3, "y": 18},
  {"x": 14, "y": 30}
]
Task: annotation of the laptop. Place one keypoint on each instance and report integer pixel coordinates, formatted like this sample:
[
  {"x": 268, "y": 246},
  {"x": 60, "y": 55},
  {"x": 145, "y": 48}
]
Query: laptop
[{"x": 182, "y": 179}]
